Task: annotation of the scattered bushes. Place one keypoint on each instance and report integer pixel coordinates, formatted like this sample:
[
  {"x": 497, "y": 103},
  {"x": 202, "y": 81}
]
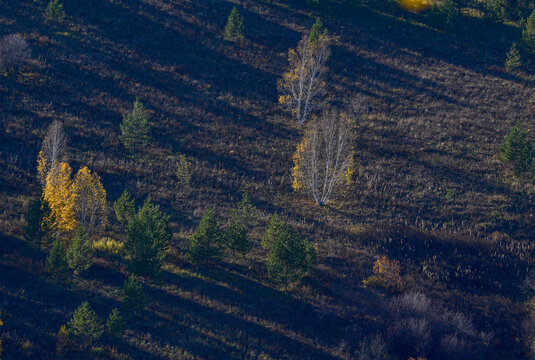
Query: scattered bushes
[
  {"x": 14, "y": 50},
  {"x": 108, "y": 246},
  {"x": 419, "y": 327},
  {"x": 385, "y": 274},
  {"x": 516, "y": 150},
  {"x": 234, "y": 28}
]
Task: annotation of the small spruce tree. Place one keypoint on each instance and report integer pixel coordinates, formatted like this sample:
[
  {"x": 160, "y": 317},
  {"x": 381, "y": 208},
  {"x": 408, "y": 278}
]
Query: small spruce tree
[
  {"x": 317, "y": 31},
  {"x": 245, "y": 210},
  {"x": 56, "y": 261},
  {"x": 80, "y": 253},
  {"x": 205, "y": 243},
  {"x": 236, "y": 237},
  {"x": 273, "y": 230},
  {"x": 37, "y": 226},
  {"x": 54, "y": 11},
  {"x": 528, "y": 33},
  {"x": 135, "y": 128},
  {"x": 234, "y": 28},
  {"x": 85, "y": 325},
  {"x": 290, "y": 258},
  {"x": 513, "y": 61},
  {"x": 517, "y": 150},
  {"x": 148, "y": 236},
  {"x": 115, "y": 322},
  {"x": 133, "y": 298},
  {"x": 183, "y": 173},
  {"x": 124, "y": 207}
]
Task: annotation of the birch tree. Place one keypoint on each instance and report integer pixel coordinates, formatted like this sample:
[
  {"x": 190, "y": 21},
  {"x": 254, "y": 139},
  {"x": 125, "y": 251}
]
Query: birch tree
[
  {"x": 302, "y": 88},
  {"x": 53, "y": 151},
  {"x": 90, "y": 200},
  {"x": 323, "y": 161}
]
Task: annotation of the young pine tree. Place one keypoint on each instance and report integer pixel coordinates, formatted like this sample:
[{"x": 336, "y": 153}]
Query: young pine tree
[
  {"x": 513, "y": 61},
  {"x": 147, "y": 240},
  {"x": 115, "y": 322},
  {"x": 205, "y": 243},
  {"x": 133, "y": 297},
  {"x": 124, "y": 208},
  {"x": 317, "y": 31},
  {"x": 37, "y": 225},
  {"x": 272, "y": 232},
  {"x": 528, "y": 33},
  {"x": 85, "y": 325},
  {"x": 236, "y": 237},
  {"x": 80, "y": 253},
  {"x": 290, "y": 258},
  {"x": 234, "y": 28},
  {"x": 245, "y": 210},
  {"x": 517, "y": 150},
  {"x": 56, "y": 261},
  {"x": 183, "y": 173},
  {"x": 54, "y": 11},
  {"x": 135, "y": 129}
]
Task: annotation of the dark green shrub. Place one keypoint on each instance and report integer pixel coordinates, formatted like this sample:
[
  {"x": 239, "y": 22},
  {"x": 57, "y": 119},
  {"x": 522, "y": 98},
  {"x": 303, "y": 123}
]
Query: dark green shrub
[
  {"x": 147, "y": 241},
  {"x": 205, "y": 243},
  {"x": 234, "y": 28},
  {"x": 290, "y": 258},
  {"x": 133, "y": 298},
  {"x": 80, "y": 253},
  {"x": 54, "y": 11},
  {"x": 124, "y": 207},
  {"x": 85, "y": 325},
  {"x": 516, "y": 150}
]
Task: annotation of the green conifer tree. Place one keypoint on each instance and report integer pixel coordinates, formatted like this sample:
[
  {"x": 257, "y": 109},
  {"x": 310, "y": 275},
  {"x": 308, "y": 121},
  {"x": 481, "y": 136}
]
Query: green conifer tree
[
  {"x": 517, "y": 150},
  {"x": 205, "y": 243},
  {"x": 85, "y": 325},
  {"x": 147, "y": 240},
  {"x": 234, "y": 28},
  {"x": 133, "y": 298},
  {"x": 513, "y": 61},
  {"x": 290, "y": 258},
  {"x": 80, "y": 253},
  {"x": 124, "y": 207},
  {"x": 37, "y": 228},
  {"x": 528, "y": 33},
  {"x": 115, "y": 322},
  {"x": 317, "y": 31},
  {"x": 236, "y": 237},
  {"x": 56, "y": 261},
  {"x": 274, "y": 228},
  {"x": 183, "y": 173},
  {"x": 135, "y": 128},
  {"x": 245, "y": 210},
  {"x": 54, "y": 11}
]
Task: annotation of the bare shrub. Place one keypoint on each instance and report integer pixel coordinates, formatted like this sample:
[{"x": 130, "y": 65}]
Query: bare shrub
[
  {"x": 419, "y": 327},
  {"x": 14, "y": 49},
  {"x": 373, "y": 349}
]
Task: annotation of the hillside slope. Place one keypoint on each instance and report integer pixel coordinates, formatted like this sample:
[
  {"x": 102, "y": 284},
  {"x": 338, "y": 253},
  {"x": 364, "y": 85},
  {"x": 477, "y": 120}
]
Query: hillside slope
[{"x": 429, "y": 190}]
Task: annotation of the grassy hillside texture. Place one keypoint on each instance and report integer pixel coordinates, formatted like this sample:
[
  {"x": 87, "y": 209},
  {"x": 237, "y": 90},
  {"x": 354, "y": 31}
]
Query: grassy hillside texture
[{"x": 429, "y": 189}]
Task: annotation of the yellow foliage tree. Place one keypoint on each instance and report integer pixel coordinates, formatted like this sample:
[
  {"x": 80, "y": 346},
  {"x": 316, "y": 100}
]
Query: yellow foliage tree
[
  {"x": 61, "y": 199},
  {"x": 90, "y": 200}
]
